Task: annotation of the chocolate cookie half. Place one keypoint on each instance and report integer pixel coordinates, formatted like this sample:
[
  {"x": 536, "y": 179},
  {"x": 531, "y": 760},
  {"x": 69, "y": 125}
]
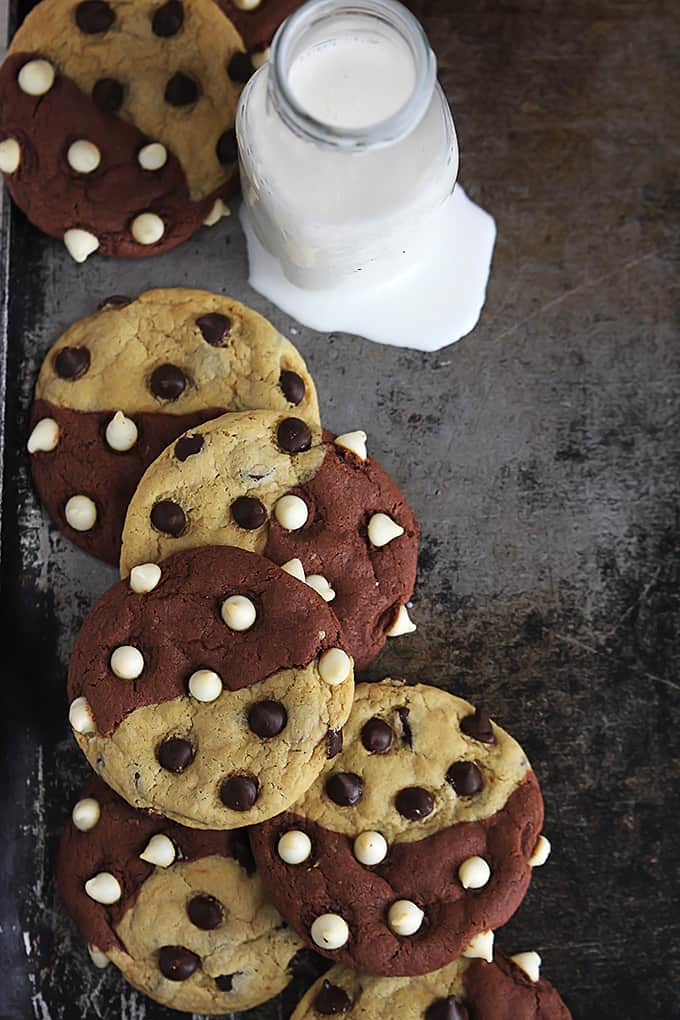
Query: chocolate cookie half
[
  {"x": 414, "y": 843},
  {"x": 181, "y": 912},
  {"x": 318, "y": 505},
  {"x": 211, "y": 688},
  {"x": 122, "y": 384},
  {"x": 509, "y": 988}
]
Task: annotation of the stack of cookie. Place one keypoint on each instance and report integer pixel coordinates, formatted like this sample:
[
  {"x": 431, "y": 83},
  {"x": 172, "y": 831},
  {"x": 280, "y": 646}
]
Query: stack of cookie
[{"x": 253, "y": 804}]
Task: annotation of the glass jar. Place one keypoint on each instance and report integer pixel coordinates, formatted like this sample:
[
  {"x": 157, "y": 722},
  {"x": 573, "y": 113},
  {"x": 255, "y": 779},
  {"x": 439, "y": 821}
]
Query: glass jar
[{"x": 347, "y": 144}]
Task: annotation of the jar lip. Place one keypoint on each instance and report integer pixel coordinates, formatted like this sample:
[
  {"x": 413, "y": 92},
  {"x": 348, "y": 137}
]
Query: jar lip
[{"x": 374, "y": 136}]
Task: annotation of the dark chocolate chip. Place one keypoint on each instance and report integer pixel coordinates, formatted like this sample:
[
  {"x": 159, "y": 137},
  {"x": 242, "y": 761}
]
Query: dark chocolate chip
[
  {"x": 205, "y": 912},
  {"x": 168, "y": 517},
  {"x": 376, "y": 736},
  {"x": 267, "y": 718},
  {"x": 214, "y": 327},
  {"x": 114, "y": 301},
  {"x": 94, "y": 16},
  {"x": 413, "y": 802},
  {"x": 177, "y": 963},
  {"x": 334, "y": 741},
  {"x": 240, "y": 792},
  {"x": 107, "y": 95},
  {"x": 331, "y": 1000},
  {"x": 240, "y": 68},
  {"x": 175, "y": 754},
  {"x": 307, "y": 964},
  {"x": 293, "y": 386},
  {"x": 450, "y": 1008},
  {"x": 72, "y": 362},
  {"x": 168, "y": 19},
  {"x": 478, "y": 726},
  {"x": 406, "y": 732},
  {"x": 167, "y": 382},
  {"x": 187, "y": 446},
  {"x": 465, "y": 778},
  {"x": 181, "y": 90},
  {"x": 345, "y": 788},
  {"x": 225, "y": 981},
  {"x": 248, "y": 512},
  {"x": 293, "y": 435},
  {"x": 227, "y": 147}
]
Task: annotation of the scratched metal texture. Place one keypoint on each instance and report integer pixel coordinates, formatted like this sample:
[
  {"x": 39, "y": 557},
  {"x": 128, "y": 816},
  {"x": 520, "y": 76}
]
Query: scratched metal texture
[{"x": 541, "y": 454}]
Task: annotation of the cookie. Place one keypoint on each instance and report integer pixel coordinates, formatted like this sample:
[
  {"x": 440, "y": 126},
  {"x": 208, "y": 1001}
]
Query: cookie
[
  {"x": 510, "y": 988},
  {"x": 117, "y": 121},
  {"x": 210, "y": 689},
  {"x": 319, "y": 505},
  {"x": 414, "y": 843},
  {"x": 258, "y": 20},
  {"x": 181, "y": 912},
  {"x": 124, "y": 383}
]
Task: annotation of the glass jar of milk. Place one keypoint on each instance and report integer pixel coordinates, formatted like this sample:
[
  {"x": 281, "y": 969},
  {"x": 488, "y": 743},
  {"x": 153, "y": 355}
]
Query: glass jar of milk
[{"x": 347, "y": 144}]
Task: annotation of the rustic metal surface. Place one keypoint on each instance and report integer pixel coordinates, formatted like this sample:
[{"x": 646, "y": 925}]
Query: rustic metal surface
[{"x": 542, "y": 456}]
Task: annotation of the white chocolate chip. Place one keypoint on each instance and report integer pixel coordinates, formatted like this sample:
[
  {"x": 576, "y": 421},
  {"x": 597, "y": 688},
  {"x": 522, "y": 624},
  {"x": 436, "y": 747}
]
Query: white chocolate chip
[
  {"x": 86, "y": 814},
  {"x": 10, "y": 156},
  {"x": 121, "y": 433},
  {"x": 295, "y": 569},
  {"x": 219, "y": 209},
  {"x": 335, "y": 666},
  {"x": 147, "y": 228},
  {"x": 260, "y": 58},
  {"x": 330, "y": 931},
  {"x": 474, "y": 873},
  {"x": 36, "y": 77},
  {"x": 382, "y": 530},
  {"x": 541, "y": 852},
  {"x": 294, "y": 847},
  {"x": 104, "y": 888},
  {"x": 80, "y": 244},
  {"x": 127, "y": 662},
  {"x": 370, "y": 848},
  {"x": 246, "y": 5},
  {"x": 153, "y": 156},
  {"x": 530, "y": 963},
  {"x": 291, "y": 512},
  {"x": 481, "y": 947},
  {"x": 83, "y": 156},
  {"x": 145, "y": 577},
  {"x": 405, "y": 917},
  {"x": 44, "y": 437},
  {"x": 238, "y": 612},
  {"x": 403, "y": 624},
  {"x": 319, "y": 583},
  {"x": 354, "y": 441},
  {"x": 205, "y": 685},
  {"x": 98, "y": 958},
  {"x": 160, "y": 850},
  {"x": 80, "y": 716},
  {"x": 80, "y": 513}
]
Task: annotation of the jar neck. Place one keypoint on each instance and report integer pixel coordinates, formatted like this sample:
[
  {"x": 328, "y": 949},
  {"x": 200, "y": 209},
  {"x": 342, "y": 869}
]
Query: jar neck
[{"x": 322, "y": 22}]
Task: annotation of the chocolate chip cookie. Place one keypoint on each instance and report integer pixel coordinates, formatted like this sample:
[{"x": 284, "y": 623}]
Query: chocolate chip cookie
[
  {"x": 211, "y": 688},
  {"x": 117, "y": 121},
  {"x": 416, "y": 840},
  {"x": 316, "y": 504},
  {"x": 122, "y": 384},
  {"x": 180, "y": 911},
  {"x": 510, "y": 988}
]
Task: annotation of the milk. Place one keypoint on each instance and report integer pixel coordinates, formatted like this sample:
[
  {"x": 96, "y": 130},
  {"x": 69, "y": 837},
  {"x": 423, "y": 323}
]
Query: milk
[{"x": 349, "y": 159}]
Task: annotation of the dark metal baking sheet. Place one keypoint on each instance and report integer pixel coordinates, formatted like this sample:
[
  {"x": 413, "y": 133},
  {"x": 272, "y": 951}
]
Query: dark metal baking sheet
[{"x": 541, "y": 454}]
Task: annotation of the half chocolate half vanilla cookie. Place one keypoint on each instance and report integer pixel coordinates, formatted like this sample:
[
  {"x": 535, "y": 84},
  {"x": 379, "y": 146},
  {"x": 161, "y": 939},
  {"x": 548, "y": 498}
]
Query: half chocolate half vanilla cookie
[
  {"x": 181, "y": 912},
  {"x": 120, "y": 385},
  {"x": 211, "y": 688},
  {"x": 415, "y": 842}
]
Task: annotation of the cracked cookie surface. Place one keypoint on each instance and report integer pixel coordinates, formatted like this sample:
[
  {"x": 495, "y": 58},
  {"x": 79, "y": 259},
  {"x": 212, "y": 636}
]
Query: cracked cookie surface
[
  {"x": 419, "y": 834},
  {"x": 122, "y": 384}
]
